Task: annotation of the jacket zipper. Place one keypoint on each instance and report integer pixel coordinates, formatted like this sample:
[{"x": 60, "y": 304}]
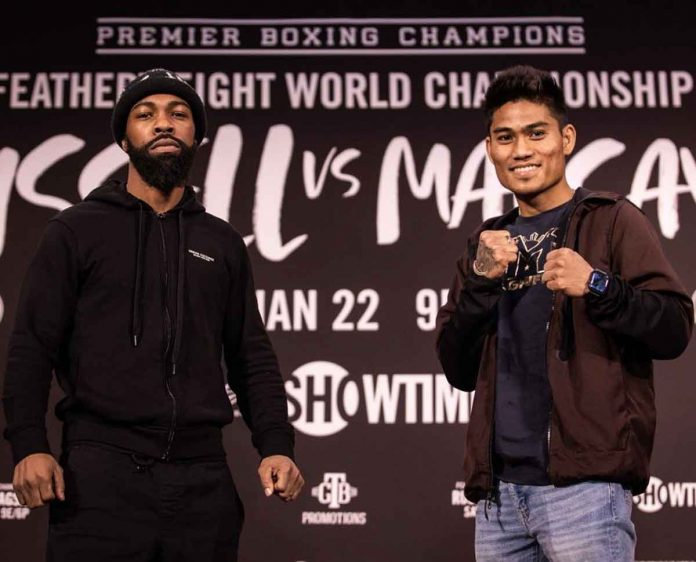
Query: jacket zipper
[
  {"x": 546, "y": 348},
  {"x": 548, "y": 326},
  {"x": 548, "y": 431},
  {"x": 490, "y": 493},
  {"x": 168, "y": 326}
]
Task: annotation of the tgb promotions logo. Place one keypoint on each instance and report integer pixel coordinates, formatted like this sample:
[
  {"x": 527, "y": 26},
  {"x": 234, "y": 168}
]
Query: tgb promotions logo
[
  {"x": 661, "y": 494},
  {"x": 334, "y": 492},
  {"x": 322, "y": 398},
  {"x": 10, "y": 507}
]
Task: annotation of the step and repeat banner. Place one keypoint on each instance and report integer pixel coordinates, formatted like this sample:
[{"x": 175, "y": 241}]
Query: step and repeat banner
[{"x": 349, "y": 153}]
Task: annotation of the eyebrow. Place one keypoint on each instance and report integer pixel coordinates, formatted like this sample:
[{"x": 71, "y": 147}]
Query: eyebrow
[
  {"x": 152, "y": 105},
  {"x": 529, "y": 127}
]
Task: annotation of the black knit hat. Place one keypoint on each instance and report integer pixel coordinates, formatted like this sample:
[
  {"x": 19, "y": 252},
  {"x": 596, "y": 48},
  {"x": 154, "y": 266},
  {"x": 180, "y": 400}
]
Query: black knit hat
[{"x": 156, "y": 81}]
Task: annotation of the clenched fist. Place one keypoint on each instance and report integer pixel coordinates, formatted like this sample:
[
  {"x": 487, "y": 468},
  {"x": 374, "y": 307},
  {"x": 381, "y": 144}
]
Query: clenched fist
[
  {"x": 38, "y": 479},
  {"x": 567, "y": 271},
  {"x": 280, "y": 476},
  {"x": 496, "y": 250}
]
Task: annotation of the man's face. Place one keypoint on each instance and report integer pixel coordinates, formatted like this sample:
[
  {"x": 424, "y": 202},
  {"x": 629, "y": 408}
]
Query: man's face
[
  {"x": 159, "y": 140},
  {"x": 528, "y": 148}
]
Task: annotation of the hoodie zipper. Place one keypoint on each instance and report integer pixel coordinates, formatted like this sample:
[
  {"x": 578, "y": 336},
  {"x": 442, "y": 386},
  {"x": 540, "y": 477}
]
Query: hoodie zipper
[
  {"x": 548, "y": 326},
  {"x": 546, "y": 348},
  {"x": 490, "y": 492},
  {"x": 168, "y": 328}
]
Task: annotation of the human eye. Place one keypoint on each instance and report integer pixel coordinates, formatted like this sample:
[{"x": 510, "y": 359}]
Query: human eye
[
  {"x": 504, "y": 138},
  {"x": 180, "y": 113},
  {"x": 142, "y": 114},
  {"x": 537, "y": 133}
]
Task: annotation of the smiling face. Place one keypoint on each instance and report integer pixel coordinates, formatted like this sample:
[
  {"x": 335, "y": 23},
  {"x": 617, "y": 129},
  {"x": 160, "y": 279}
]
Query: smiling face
[{"x": 528, "y": 148}]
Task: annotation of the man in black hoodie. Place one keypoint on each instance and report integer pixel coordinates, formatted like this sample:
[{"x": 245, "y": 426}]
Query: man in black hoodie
[{"x": 133, "y": 297}]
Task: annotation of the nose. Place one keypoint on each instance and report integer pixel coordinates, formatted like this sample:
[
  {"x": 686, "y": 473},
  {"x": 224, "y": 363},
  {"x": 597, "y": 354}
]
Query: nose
[
  {"x": 522, "y": 148},
  {"x": 163, "y": 124}
]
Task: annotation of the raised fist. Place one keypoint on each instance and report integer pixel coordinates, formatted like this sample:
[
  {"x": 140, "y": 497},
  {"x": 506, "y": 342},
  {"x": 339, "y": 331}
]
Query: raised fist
[{"x": 496, "y": 250}]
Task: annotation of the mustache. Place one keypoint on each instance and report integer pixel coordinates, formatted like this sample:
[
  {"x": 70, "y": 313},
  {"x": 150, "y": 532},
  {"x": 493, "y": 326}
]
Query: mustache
[{"x": 182, "y": 144}]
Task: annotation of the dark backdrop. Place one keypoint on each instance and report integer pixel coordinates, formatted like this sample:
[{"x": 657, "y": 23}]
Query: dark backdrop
[{"x": 359, "y": 204}]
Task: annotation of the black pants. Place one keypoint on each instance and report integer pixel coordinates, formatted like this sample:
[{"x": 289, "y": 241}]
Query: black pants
[{"x": 125, "y": 508}]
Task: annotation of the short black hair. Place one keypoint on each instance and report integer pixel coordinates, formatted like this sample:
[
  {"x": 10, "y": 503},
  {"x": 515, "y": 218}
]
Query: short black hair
[{"x": 523, "y": 82}]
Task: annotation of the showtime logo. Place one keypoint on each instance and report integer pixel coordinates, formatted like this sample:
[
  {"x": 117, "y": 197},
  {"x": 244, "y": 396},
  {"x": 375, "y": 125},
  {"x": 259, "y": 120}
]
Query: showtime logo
[
  {"x": 671, "y": 494},
  {"x": 322, "y": 398}
]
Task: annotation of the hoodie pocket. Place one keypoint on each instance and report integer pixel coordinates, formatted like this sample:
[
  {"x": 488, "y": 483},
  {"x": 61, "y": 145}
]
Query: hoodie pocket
[{"x": 592, "y": 406}]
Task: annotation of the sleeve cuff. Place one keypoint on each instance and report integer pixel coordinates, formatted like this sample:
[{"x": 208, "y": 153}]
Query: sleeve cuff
[
  {"x": 277, "y": 444},
  {"x": 480, "y": 284},
  {"x": 611, "y": 294},
  {"x": 29, "y": 441}
]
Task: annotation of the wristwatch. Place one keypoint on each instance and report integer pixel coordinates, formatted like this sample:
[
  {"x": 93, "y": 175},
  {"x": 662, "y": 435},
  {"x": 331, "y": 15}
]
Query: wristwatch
[{"x": 598, "y": 283}]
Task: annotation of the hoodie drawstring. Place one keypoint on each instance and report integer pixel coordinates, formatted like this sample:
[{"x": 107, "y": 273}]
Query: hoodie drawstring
[
  {"x": 137, "y": 327},
  {"x": 137, "y": 323},
  {"x": 179, "y": 293}
]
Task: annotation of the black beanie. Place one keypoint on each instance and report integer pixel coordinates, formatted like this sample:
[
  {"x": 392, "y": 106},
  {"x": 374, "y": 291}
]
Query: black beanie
[{"x": 156, "y": 81}]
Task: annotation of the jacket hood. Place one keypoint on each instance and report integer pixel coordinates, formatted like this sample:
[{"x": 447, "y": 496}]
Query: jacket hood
[
  {"x": 114, "y": 192},
  {"x": 581, "y": 197}
]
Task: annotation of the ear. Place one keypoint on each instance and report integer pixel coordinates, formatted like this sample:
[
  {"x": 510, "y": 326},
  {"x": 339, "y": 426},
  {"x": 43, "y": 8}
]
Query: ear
[
  {"x": 488, "y": 149},
  {"x": 124, "y": 145},
  {"x": 569, "y": 136}
]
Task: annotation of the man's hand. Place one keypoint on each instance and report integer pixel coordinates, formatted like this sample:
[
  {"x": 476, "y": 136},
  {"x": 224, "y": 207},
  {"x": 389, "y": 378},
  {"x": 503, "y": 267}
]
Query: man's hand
[
  {"x": 496, "y": 250},
  {"x": 566, "y": 271},
  {"x": 280, "y": 476},
  {"x": 38, "y": 479}
]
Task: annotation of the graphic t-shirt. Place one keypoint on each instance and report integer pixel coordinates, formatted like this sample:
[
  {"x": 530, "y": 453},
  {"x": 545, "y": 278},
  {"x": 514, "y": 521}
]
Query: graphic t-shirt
[{"x": 522, "y": 393}]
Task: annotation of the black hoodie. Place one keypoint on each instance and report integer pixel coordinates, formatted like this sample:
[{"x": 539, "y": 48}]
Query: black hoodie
[{"x": 141, "y": 347}]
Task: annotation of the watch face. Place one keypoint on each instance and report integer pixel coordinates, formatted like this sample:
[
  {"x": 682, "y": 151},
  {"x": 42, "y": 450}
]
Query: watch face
[{"x": 598, "y": 282}]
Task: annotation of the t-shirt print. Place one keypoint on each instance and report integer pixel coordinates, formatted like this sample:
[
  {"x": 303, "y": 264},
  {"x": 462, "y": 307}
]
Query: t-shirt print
[{"x": 531, "y": 258}]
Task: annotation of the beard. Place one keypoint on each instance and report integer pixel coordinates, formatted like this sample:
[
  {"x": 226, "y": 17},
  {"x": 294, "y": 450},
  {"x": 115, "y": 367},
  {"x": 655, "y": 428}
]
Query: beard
[{"x": 163, "y": 171}]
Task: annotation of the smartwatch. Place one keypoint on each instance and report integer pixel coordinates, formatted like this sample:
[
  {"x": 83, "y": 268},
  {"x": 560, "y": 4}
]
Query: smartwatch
[{"x": 598, "y": 283}]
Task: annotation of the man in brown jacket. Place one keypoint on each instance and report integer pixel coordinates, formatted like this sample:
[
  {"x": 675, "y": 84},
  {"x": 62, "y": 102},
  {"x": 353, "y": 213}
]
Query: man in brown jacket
[{"x": 556, "y": 312}]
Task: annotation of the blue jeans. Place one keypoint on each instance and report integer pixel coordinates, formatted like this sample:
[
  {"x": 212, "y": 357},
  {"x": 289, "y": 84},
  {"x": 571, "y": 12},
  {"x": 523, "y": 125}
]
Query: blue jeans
[{"x": 590, "y": 521}]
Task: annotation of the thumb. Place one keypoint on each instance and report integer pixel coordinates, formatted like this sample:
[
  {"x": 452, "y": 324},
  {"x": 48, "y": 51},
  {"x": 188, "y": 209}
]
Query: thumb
[
  {"x": 58, "y": 482},
  {"x": 266, "y": 476}
]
